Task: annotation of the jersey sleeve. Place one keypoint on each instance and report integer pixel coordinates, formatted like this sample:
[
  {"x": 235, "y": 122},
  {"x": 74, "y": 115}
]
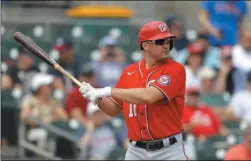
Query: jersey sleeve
[
  {"x": 120, "y": 84},
  {"x": 172, "y": 82},
  {"x": 244, "y": 8},
  {"x": 206, "y": 5}
]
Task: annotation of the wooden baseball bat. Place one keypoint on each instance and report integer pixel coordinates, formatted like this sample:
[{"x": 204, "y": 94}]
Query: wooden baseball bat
[{"x": 37, "y": 51}]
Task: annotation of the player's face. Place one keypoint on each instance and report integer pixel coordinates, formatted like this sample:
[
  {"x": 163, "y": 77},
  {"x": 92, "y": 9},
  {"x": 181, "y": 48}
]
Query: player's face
[
  {"x": 158, "y": 49},
  {"x": 45, "y": 89},
  {"x": 195, "y": 60},
  {"x": 193, "y": 99}
]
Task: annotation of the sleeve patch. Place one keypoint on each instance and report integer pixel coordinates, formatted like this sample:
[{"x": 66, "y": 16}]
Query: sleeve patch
[{"x": 164, "y": 80}]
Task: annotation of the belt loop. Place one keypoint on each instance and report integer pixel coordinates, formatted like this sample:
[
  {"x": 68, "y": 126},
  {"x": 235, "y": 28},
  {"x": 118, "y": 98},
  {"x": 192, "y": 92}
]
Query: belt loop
[
  {"x": 179, "y": 137},
  {"x": 166, "y": 142},
  {"x": 133, "y": 142}
]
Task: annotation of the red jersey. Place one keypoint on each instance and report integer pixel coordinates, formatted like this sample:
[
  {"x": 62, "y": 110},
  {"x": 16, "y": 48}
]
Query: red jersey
[
  {"x": 211, "y": 123},
  {"x": 161, "y": 119},
  {"x": 74, "y": 99},
  {"x": 238, "y": 152}
]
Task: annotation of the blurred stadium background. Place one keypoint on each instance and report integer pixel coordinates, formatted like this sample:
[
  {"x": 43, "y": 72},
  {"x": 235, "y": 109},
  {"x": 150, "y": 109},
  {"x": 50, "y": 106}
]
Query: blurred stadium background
[{"x": 88, "y": 28}]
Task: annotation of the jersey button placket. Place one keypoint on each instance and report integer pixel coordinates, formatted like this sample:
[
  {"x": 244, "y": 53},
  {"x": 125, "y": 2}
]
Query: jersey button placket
[{"x": 142, "y": 120}]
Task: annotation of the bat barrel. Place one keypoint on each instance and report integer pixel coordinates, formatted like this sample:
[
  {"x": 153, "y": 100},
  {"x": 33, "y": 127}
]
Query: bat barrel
[
  {"x": 36, "y": 50},
  {"x": 33, "y": 48}
]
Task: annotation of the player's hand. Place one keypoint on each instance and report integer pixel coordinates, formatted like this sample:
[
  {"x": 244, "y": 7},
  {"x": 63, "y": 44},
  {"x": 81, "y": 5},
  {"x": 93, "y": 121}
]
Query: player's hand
[
  {"x": 216, "y": 33},
  {"x": 95, "y": 94},
  {"x": 85, "y": 88}
]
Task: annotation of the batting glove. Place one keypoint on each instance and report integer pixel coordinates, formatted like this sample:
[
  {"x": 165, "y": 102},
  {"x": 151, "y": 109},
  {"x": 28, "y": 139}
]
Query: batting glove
[
  {"x": 95, "y": 94},
  {"x": 85, "y": 88}
]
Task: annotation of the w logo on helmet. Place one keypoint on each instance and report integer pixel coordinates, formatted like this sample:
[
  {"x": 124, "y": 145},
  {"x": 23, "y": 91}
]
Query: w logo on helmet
[{"x": 163, "y": 27}]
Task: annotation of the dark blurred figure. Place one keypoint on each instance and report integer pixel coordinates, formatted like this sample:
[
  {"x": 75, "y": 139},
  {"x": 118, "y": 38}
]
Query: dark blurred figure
[
  {"x": 208, "y": 77},
  {"x": 199, "y": 119},
  {"x": 240, "y": 104},
  {"x": 224, "y": 21},
  {"x": 111, "y": 63},
  {"x": 99, "y": 140},
  {"x": 242, "y": 52},
  {"x": 67, "y": 60},
  {"x": 241, "y": 151},
  {"x": 211, "y": 54},
  {"x": 23, "y": 70},
  {"x": 230, "y": 78},
  {"x": 193, "y": 65},
  {"x": 177, "y": 28},
  {"x": 41, "y": 106},
  {"x": 76, "y": 104}
]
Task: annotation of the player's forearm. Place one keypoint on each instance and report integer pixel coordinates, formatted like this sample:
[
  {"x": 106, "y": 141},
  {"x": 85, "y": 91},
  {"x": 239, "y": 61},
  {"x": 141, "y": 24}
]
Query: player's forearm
[
  {"x": 204, "y": 20},
  {"x": 108, "y": 107},
  {"x": 221, "y": 83},
  {"x": 133, "y": 95},
  {"x": 242, "y": 26}
]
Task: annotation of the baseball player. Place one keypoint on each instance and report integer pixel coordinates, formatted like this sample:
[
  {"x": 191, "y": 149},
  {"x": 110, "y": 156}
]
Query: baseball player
[{"x": 151, "y": 95}]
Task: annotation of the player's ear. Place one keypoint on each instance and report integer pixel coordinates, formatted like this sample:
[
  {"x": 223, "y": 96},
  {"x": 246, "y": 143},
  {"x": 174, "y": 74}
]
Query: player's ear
[{"x": 144, "y": 45}]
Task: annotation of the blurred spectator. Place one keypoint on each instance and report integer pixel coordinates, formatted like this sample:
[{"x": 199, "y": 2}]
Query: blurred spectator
[
  {"x": 41, "y": 106},
  {"x": 76, "y": 104},
  {"x": 111, "y": 63},
  {"x": 211, "y": 54},
  {"x": 224, "y": 21},
  {"x": 241, "y": 151},
  {"x": 6, "y": 82},
  {"x": 240, "y": 104},
  {"x": 194, "y": 64},
  {"x": 67, "y": 60},
  {"x": 230, "y": 79},
  {"x": 23, "y": 71},
  {"x": 99, "y": 139},
  {"x": 199, "y": 119},
  {"x": 208, "y": 80},
  {"x": 177, "y": 28},
  {"x": 242, "y": 52}
]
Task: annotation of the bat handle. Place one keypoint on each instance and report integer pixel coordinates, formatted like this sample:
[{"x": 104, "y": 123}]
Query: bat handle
[{"x": 68, "y": 75}]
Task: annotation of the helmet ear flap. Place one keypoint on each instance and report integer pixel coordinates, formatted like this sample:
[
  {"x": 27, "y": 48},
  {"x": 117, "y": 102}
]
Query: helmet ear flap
[{"x": 171, "y": 44}]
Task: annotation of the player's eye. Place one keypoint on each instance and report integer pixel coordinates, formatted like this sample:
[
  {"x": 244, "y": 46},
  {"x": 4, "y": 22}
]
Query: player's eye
[{"x": 162, "y": 41}]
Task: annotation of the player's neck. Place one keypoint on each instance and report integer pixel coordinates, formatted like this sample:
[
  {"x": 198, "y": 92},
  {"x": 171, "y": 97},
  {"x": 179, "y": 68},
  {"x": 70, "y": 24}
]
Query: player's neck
[
  {"x": 150, "y": 62},
  {"x": 43, "y": 97}
]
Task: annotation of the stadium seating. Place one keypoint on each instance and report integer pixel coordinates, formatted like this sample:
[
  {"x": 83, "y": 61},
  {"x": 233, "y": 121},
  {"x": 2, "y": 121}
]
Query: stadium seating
[
  {"x": 46, "y": 38},
  {"x": 10, "y": 115},
  {"x": 215, "y": 100},
  {"x": 212, "y": 149}
]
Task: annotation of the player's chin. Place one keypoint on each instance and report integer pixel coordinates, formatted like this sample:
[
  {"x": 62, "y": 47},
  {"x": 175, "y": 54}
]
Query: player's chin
[{"x": 164, "y": 55}]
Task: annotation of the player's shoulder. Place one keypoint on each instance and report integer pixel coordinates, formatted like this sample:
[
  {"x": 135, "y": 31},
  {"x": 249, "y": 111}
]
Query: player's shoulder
[
  {"x": 131, "y": 67},
  {"x": 178, "y": 64},
  {"x": 174, "y": 65}
]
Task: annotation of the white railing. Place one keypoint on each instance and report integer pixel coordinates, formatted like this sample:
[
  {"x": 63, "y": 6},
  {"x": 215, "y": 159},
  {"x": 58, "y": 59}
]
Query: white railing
[{"x": 23, "y": 144}]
